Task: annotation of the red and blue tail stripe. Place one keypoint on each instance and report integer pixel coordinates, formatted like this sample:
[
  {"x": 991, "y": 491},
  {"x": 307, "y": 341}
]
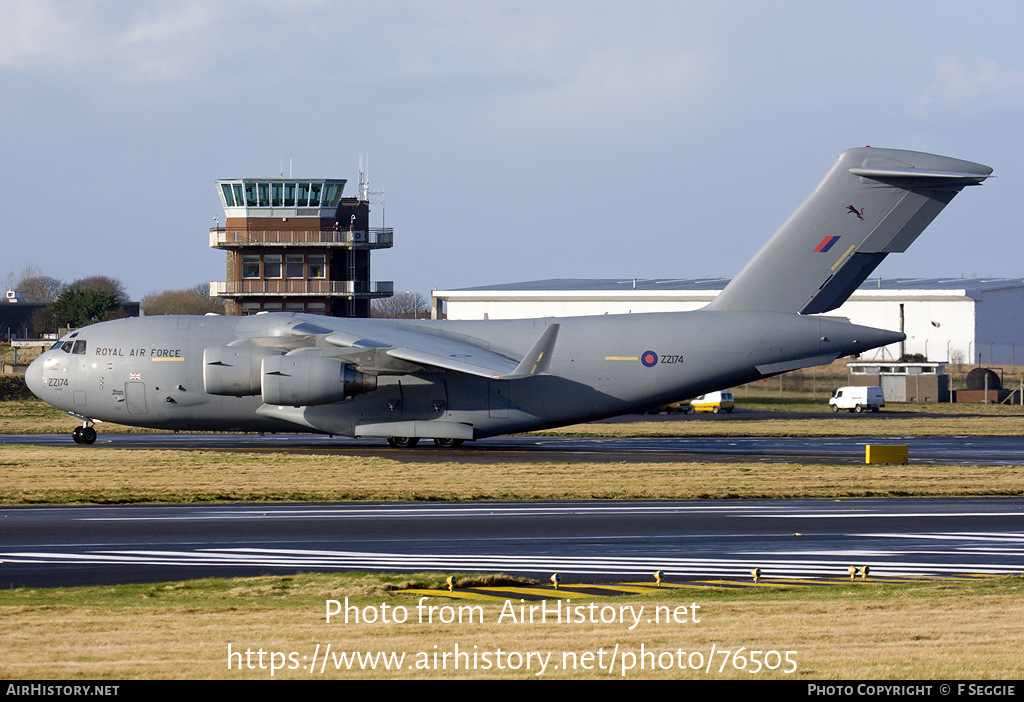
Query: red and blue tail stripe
[{"x": 826, "y": 244}]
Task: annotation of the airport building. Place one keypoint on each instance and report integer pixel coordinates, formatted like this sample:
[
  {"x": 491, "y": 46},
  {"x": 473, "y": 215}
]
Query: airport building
[
  {"x": 27, "y": 322},
  {"x": 974, "y": 320},
  {"x": 297, "y": 245}
]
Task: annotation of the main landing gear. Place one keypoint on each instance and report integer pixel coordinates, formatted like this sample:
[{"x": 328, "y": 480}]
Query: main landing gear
[
  {"x": 84, "y": 435},
  {"x": 410, "y": 441}
]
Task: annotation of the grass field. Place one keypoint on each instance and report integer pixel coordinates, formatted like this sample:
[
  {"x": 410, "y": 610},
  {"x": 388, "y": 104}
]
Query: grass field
[
  {"x": 931, "y": 630},
  {"x": 940, "y": 630},
  {"x": 97, "y": 475}
]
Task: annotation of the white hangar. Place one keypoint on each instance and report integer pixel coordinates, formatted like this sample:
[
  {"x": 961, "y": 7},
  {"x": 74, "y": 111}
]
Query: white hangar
[{"x": 958, "y": 320}]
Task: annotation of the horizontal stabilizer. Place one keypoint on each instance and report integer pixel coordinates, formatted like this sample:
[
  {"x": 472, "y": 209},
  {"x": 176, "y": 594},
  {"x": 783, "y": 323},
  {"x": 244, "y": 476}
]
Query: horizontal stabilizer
[
  {"x": 921, "y": 174},
  {"x": 872, "y": 203}
]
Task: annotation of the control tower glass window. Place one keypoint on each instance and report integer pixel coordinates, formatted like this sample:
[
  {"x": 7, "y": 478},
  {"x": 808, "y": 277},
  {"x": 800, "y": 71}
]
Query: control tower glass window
[
  {"x": 272, "y": 266},
  {"x": 317, "y": 265},
  {"x": 332, "y": 193},
  {"x": 251, "y": 266}
]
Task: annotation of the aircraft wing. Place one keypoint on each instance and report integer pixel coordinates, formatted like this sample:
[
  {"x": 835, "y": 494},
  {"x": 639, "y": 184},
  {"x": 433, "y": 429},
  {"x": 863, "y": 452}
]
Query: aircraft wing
[{"x": 431, "y": 348}]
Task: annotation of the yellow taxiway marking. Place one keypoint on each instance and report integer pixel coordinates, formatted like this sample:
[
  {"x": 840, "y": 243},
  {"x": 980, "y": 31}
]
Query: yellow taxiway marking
[
  {"x": 639, "y": 589},
  {"x": 795, "y": 581},
  {"x": 744, "y": 583},
  {"x": 540, "y": 590},
  {"x": 502, "y": 593},
  {"x": 458, "y": 594}
]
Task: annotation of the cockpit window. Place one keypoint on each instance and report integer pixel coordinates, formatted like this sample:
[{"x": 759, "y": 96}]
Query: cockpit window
[{"x": 70, "y": 346}]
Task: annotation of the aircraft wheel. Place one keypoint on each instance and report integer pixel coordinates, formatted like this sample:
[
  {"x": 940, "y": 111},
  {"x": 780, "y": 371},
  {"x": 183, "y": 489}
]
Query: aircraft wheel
[
  {"x": 448, "y": 443},
  {"x": 88, "y": 435},
  {"x": 403, "y": 441},
  {"x": 76, "y": 434}
]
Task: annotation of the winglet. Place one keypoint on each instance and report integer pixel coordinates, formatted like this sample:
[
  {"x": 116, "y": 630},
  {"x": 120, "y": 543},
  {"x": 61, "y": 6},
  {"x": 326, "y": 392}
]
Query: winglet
[{"x": 538, "y": 358}]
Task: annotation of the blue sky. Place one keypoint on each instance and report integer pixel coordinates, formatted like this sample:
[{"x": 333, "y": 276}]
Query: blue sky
[{"x": 513, "y": 140}]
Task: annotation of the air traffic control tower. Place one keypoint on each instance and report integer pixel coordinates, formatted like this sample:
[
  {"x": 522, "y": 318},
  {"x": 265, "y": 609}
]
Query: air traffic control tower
[{"x": 297, "y": 246}]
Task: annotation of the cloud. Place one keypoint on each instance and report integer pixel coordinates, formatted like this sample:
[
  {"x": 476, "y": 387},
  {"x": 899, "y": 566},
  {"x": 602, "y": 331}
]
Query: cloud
[
  {"x": 34, "y": 31},
  {"x": 125, "y": 40},
  {"x": 968, "y": 88},
  {"x": 547, "y": 66}
]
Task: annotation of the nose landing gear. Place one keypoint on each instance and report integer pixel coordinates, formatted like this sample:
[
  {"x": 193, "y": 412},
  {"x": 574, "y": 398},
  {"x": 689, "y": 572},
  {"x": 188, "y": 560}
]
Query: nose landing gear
[{"x": 84, "y": 435}]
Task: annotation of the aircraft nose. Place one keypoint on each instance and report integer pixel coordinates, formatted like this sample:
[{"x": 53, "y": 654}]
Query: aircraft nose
[{"x": 34, "y": 377}]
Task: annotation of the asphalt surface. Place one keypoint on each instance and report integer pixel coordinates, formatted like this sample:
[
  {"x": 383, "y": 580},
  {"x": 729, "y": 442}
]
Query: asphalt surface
[
  {"x": 586, "y": 541},
  {"x": 940, "y": 450},
  {"x": 583, "y": 541}
]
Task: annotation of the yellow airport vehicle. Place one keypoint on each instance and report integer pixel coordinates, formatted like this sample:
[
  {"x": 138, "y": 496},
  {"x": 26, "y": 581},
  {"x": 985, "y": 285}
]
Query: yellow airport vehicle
[{"x": 682, "y": 406}]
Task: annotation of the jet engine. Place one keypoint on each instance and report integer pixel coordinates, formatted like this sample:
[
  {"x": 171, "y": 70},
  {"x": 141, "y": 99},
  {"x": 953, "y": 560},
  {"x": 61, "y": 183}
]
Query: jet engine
[
  {"x": 310, "y": 380},
  {"x": 234, "y": 370}
]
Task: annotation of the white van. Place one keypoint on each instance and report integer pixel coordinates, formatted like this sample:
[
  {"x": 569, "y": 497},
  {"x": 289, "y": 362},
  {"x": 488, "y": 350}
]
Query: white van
[
  {"x": 858, "y": 399},
  {"x": 716, "y": 402}
]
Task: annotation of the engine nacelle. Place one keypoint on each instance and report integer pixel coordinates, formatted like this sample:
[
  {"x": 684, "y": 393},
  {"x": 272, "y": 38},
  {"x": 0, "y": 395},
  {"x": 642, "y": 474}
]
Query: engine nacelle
[
  {"x": 310, "y": 380},
  {"x": 234, "y": 370}
]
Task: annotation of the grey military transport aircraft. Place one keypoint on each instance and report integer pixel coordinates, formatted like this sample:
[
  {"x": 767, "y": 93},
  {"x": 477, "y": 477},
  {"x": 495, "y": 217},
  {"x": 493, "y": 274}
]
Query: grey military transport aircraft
[{"x": 453, "y": 381}]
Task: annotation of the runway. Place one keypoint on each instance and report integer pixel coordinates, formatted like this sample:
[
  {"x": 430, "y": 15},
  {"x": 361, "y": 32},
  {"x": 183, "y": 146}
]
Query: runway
[
  {"x": 587, "y": 541},
  {"x": 940, "y": 450},
  {"x": 583, "y": 541}
]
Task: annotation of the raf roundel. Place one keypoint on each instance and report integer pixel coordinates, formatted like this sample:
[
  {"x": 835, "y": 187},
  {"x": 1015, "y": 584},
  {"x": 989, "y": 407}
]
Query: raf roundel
[{"x": 649, "y": 359}]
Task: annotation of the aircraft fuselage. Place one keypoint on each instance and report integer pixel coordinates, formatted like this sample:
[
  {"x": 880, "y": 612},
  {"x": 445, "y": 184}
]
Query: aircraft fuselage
[{"x": 149, "y": 371}]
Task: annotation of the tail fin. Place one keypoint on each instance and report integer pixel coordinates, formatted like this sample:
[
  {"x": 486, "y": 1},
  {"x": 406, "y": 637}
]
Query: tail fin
[{"x": 872, "y": 203}]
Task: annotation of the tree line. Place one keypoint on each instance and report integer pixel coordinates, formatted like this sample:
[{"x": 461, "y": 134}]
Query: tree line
[{"x": 97, "y": 298}]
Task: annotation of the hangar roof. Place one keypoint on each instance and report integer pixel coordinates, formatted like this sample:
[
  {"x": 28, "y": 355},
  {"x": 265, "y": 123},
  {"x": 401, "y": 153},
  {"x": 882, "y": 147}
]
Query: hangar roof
[{"x": 716, "y": 284}]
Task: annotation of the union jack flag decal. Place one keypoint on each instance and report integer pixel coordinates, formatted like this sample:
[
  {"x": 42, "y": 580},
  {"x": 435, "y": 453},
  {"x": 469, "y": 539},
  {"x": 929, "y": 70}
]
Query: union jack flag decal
[{"x": 134, "y": 376}]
